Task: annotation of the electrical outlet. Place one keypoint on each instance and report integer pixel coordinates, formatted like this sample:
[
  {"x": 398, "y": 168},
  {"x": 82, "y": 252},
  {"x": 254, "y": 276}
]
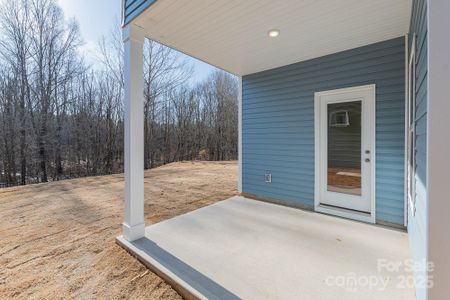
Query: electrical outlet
[{"x": 268, "y": 177}]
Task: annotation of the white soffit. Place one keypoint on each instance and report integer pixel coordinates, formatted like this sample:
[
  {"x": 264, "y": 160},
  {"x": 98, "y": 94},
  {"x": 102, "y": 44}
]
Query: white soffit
[{"x": 232, "y": 35}]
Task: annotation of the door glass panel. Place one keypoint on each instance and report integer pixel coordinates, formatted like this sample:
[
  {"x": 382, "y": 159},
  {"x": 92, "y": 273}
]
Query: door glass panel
[{"x": 344, "y": 147}]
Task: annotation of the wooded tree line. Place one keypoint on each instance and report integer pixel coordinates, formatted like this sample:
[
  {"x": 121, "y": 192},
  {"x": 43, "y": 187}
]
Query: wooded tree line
[{"x": 61, "y": 118}]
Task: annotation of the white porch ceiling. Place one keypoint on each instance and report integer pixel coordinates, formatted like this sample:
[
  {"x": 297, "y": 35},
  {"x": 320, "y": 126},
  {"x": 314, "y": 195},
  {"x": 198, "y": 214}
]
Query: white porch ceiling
[{"x": 232, "y": 34}]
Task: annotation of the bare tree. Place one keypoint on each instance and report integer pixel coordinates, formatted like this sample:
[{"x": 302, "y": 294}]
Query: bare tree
[
  {"x": 53, "y": 47},
  {"x": 8, "y": 117},
  {"x": 219, "y": 95},
  {"x": 14, "y": 49},
  {"x": 164, "y": 71},
  {"x": 111, "y": 53},
  {"x": 61, "y": 119}
]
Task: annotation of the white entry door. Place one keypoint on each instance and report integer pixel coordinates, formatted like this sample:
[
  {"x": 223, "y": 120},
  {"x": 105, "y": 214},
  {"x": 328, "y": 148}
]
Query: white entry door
[{"x": 345, "y": 158}]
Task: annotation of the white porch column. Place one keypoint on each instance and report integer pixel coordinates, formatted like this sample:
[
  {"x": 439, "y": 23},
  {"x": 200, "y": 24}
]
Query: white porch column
[
  {"x": 438, "y": 147},
  {"x": 133, "y": 226},
  {"x": 240, "y": 135}
]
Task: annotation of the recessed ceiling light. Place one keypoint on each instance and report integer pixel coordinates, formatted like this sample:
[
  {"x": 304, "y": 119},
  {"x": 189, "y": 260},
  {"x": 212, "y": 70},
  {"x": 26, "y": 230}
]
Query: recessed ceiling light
[{"x": 273, "y": 33}]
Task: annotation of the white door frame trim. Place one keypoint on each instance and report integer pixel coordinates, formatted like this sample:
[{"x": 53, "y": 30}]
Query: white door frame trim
[{"x": 359, "y": 216}]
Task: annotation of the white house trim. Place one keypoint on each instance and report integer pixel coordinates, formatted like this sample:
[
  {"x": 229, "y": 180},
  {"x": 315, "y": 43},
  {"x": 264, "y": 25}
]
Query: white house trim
[
  {"x": 438, "y": 149},
  {"x": 371, "y": 218},
  {"x": 240, "y": 135},
  {"x": 133, "y": 225},
  {"x": 405, "y": 163}
]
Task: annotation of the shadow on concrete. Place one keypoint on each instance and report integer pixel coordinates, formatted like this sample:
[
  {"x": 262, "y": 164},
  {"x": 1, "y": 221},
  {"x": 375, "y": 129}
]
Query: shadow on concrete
[{"x": 207, "y": 287}]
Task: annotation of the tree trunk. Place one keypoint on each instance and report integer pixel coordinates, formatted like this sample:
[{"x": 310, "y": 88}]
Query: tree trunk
[{"x": 42, "y": 149}]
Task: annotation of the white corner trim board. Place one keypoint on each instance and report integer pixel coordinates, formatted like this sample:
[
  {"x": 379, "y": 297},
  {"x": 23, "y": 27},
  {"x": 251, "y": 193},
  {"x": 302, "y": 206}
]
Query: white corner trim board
[{"x": 438, "y": 148}]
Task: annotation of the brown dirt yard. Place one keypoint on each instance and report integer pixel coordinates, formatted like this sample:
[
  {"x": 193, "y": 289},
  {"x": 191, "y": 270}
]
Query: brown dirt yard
[{"x": 58, "y": 239}]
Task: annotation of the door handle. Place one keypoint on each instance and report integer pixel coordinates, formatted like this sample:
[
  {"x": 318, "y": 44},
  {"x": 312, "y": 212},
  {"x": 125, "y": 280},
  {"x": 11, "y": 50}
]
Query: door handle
[{"x": 367, "y": 160}]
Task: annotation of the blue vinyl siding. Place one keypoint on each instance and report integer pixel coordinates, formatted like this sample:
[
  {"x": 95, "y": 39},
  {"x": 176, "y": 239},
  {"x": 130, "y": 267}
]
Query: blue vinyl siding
[
  {"x": 278, "y": 123},
  {"x": 132, "y": 8},
  {"x": 417, "y": 224}
]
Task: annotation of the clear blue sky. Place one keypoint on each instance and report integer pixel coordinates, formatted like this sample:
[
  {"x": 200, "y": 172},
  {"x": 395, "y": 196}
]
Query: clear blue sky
[{"x": 96, "y": 19}]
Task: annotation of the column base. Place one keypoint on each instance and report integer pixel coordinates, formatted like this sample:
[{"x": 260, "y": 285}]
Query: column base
[{"x": 132, "y": 233}]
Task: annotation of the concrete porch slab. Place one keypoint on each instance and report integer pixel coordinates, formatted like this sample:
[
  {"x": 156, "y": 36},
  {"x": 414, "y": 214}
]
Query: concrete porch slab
[{"x": 242, "y": 248}]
